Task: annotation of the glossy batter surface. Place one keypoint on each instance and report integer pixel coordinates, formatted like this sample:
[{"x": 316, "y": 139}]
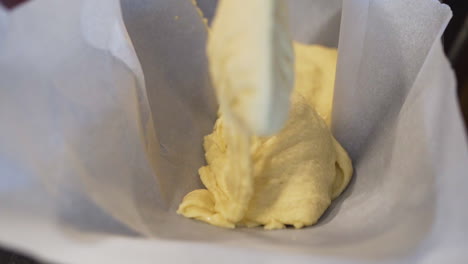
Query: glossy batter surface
[{"x": 289, "y": 178}]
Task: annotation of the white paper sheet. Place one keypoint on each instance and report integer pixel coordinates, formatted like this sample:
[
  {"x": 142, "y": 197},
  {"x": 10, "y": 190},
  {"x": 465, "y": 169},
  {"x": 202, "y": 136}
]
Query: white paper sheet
[{"x": 95, "y": 158}]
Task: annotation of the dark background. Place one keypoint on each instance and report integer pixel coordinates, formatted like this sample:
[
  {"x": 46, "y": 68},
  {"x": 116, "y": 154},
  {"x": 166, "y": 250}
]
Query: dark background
[
  {"x": 456, "y": 46},
  {"x": 455, "y": 41}
]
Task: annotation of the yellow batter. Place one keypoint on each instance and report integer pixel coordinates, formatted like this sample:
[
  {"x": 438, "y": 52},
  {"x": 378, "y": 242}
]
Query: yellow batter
[{"x": 289, "y": 178}]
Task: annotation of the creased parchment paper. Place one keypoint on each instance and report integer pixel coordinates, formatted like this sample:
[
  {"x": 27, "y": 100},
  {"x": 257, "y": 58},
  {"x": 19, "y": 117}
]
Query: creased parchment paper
[{"x": 102, "y": 118}]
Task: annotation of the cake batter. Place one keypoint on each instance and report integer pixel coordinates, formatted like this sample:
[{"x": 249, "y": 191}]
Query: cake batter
[
  {"x": 252, "y": 177},
  {"x": 295, "y": 173}
]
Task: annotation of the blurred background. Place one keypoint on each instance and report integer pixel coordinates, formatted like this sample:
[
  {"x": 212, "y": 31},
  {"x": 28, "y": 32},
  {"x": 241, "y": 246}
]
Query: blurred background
[
  {"x": 455, "y": 41},
  {"x": 456, "y": 47}
]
